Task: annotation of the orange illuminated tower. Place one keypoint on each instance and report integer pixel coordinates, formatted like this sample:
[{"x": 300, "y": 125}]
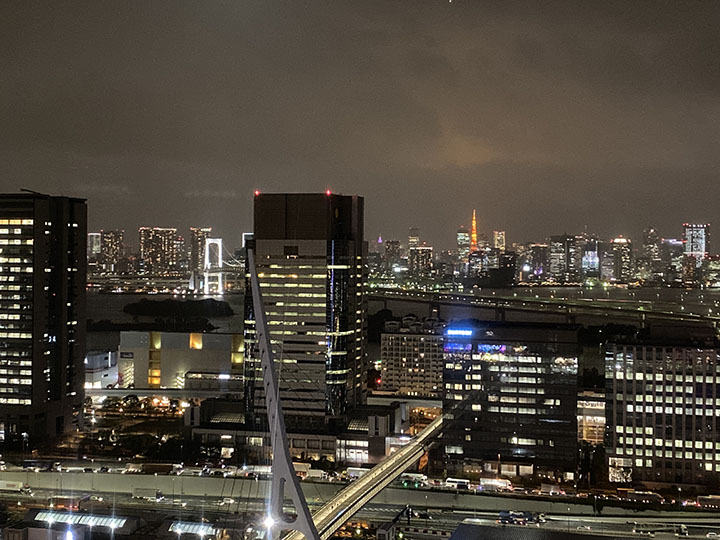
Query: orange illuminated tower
[{"x": 473, "y": 235}]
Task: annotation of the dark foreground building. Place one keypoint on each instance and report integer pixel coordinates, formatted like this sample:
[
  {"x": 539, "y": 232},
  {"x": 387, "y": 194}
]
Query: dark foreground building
[
  {"x": 42, "y": 314},
  {"x": 510, "y": 390},
  {"x": 311, "y": 259}
]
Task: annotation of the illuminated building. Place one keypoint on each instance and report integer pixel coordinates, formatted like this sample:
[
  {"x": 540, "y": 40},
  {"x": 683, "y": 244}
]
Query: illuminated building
[
  {"x": 163, "y": 359},
  {"x": 511, "y": 389},
  {"x": 651, "y": 243},
  {"x": 111, "y": 246},
  {"x": 565, "y": 259},
  {"x": 158, "y": 249},
  {"x": 411, "y": 356},
  {"x": 622, "y": 259},
  {"x": 420, "y": 261},
  {"x": 591, "y": 417},
  {"x": 311, "y": 263},
  {"x": 591, "y": 258},
  {"x": 463, "y": 244},
  {"x": 413, "y": 237},
  {"x": 93, "y": 245},
  {"x": 696, "y": 239},
  {"x": 663, "y": 412},
  {"x": 473, "y": 234},
  {"x": 499, "y": 240},
  {"x": 42, "y": 313},
  {"x": 198, "y": 237}
]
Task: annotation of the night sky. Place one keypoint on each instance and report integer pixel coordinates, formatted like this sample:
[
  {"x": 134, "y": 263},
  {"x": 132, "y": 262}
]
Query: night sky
[{"x": 545, "y": 116}]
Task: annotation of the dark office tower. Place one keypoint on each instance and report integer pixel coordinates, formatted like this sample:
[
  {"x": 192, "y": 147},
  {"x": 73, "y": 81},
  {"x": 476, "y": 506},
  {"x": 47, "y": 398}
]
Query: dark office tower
[
  {"x": 198, "y": 237},
  {"x": 622, "y": 259},
  {"x": 311, "y": 263},
  {"x": 651, "y": 244},
  {"x": 42, "y": 314},
  {"x": 413, "y": 237},
  {"x": 393, "y": 254},
  {"x": 111, "y": 249}
]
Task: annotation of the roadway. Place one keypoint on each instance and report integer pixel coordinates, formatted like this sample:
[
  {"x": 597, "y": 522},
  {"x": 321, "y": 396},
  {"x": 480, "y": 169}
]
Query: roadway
[
  {"x": 343, "y": 506},
  {"x": 623, "y": 309}
]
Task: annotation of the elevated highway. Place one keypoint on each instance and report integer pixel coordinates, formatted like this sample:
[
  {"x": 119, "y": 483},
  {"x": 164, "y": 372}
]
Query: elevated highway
[
  {"x": 347, "y": 502},
  {"x": 520, "y": 308}
]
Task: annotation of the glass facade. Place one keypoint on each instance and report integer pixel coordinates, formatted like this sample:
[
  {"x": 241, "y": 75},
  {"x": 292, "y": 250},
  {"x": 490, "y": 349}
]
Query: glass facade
[
  {"x": 511, "y": 391},
  {"x": 311, "y": 263}
]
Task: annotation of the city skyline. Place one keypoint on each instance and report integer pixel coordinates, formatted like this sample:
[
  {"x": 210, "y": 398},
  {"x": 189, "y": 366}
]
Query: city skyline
[
  {"x": 132, "y": 242},
  {"x": 544, "y": 117}
]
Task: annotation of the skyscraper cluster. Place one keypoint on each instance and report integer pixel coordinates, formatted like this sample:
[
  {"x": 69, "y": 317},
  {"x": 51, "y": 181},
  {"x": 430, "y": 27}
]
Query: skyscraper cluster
[{"x": 564, "y": 259}]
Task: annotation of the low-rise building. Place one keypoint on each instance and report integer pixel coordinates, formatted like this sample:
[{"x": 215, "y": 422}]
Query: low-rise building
[{"x": 162, "y": 359}]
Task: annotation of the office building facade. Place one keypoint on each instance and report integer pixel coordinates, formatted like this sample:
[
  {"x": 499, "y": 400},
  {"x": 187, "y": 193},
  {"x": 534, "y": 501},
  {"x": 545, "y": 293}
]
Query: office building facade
[
  {"x": 510, "y": 390},
  {"x": 663, "y": 413},
  {"x": 311, "y": 262},
  {"x": 696, "y": 240},
  {"x": 42, "y": 314},
  {"x": 412, "y": 358}
]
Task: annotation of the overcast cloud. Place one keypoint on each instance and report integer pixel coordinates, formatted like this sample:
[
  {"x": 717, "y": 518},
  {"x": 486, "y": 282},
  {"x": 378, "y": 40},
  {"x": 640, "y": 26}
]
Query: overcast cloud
[{"x": 545, "y": 116}]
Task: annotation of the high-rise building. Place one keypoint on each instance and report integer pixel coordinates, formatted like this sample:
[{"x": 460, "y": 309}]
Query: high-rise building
[
  {"x": 411, "y": 356},
  {"x": 420, "y": 261},
  {"x": 111, "y": 249},
  {"x": 413, "y": 237},
  {"x": 622, "y": 259},
  {"x": 499, "y": 240},
  {"x": 651, "y": 244},
  {"x": 696, "y": 239},
  {"x": 42, "y": 314},
  {"x": 537, "y": 258},
  {"x": 473, "y": 234},
  {"x": 591, "y": 258},
  {"x": 94, "y": 241},
  {"x": 663, "y": 411},
  {"x": 392, "y": 254},
  {"x": 198, "y": 237},
  {"x": 511, "y": 390},
  {"x": 158, "y": 249},
  {"x": 310, "y": 255},
  {"x": 565, "y": 258},
  {"x": 463, "y": 244}
]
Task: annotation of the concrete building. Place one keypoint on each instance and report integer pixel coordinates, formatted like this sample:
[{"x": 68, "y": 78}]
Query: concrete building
[
  {"x": 511, "y": 391},
  {"x": 43, "y": 259},
  {"x": 311, "y": 262},
  {"x": 163, "y": 359},
  {"x": 412, "y": 357},
  {"x": 101, "y": 369},
  {"x": 663, "y": 412},
  {"x": 159, "y": 252}
]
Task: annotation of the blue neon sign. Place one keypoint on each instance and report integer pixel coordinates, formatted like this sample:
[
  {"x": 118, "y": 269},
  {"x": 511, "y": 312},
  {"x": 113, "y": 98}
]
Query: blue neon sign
[{"x": 459, "y": 332}]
